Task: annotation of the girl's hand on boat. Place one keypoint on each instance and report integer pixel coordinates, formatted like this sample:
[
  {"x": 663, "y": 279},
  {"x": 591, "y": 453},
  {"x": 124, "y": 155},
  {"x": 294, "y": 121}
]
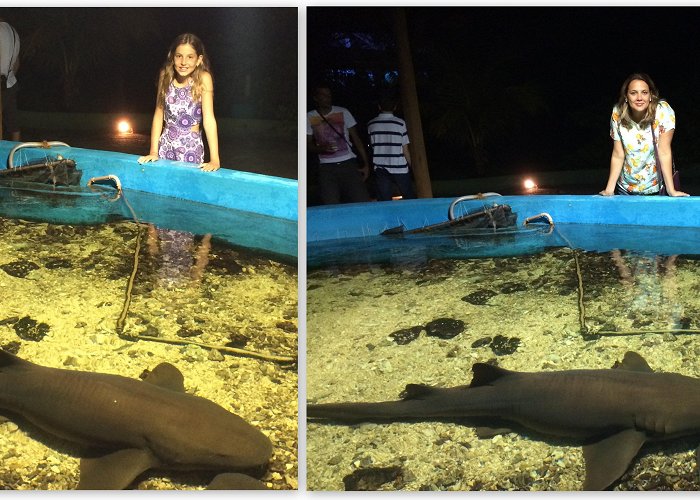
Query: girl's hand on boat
[
  {"x": 678, "y": 193},
  {"x": 605, "y": 192},
  {"x": 209, "y": 167},
  {"x": 147, "y": 158}
]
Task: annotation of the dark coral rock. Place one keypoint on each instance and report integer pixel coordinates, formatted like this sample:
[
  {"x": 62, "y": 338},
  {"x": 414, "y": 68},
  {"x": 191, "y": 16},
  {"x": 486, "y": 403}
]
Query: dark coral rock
[
  {"x": 186, "y": 332},
  {"x": 9, "y": 321},
  {"x": 445, "y": 328},
  {"x": 29, "y": 329},
  {"x": 480, "y": 297},
  {"x": 481, "y": 342},
  {"x": 684, "y": 323},
  {"x": 19, "y": 268},
  {"x": 406, "y": 335},
  {"x": 224, "y": 263},
  {"x": 370, "y": 479},
  {"x": 12, "y": 347},
  {"x": 513, "y": 286},
  {"x": 501, "y": 345},
  {"x": 57, "y": 263},
  {"x": 287, "y": 326},
  {"x": 237, "y": 340}
]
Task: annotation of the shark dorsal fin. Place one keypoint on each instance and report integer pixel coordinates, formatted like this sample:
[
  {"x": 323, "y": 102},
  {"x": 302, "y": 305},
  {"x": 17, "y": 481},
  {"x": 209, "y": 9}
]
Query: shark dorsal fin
[
  {"x": 166, "y": 376},
  {"x": 633, "y": 362},
  {"x": 417, "y": 391},
  {"x": 485, "y": 374}
]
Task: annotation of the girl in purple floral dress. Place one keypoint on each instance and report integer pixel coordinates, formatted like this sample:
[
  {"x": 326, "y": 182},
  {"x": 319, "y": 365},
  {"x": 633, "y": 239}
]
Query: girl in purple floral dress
[{"x": 185, "y": 105}]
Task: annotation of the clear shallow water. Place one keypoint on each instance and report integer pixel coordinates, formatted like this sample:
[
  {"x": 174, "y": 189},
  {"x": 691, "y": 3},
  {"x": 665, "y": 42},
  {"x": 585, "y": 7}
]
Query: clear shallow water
[
  {"x": 64, "y": 289},
  {"x": 274, "y": 236},
  {"x": 556, "y": 309},
  {"x": 459, "y": 243}
]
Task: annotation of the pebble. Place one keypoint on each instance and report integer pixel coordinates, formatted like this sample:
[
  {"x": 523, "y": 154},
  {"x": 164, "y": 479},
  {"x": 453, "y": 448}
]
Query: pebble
[
  {"x": 71, "y": 361},
  {"x": 215, "y": 355},
  {"x": 11, "y": 427}
]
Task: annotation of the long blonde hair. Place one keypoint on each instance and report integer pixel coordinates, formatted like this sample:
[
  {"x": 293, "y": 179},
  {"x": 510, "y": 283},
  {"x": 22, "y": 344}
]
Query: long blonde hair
[
  {"x": 167, "y": 72},
  {"x": 623, "y": 105}
]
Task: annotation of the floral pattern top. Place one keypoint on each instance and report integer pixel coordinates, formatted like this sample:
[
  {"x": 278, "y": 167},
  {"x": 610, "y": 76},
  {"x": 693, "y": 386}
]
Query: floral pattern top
[
  {"x": 638, "y": 174},
  {"x": 178, "y": 141}
]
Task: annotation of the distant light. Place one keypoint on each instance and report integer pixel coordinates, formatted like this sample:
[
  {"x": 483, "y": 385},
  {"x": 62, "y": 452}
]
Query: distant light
[
  {"x": 529, "y": 185},
  {"x": 124, "y": 127}
]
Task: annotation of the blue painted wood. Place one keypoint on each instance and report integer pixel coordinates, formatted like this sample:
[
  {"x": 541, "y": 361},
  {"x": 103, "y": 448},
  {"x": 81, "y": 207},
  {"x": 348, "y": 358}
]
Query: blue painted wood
[
  {"x": 272, "y": 202},
  {"x": 245, "y": 191}
]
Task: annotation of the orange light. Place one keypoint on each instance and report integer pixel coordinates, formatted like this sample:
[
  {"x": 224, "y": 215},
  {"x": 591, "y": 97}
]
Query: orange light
[
  {"x": 124, "y": 127},
  {"x": 529, "y": 184}
]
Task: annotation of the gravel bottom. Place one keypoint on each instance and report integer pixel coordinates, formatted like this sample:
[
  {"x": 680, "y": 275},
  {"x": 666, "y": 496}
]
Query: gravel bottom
[
  {"x": 532, "y": 303},
  {"x": 63, "y": 290}
]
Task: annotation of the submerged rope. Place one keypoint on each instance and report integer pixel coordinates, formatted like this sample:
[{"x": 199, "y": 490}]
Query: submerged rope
[
  {"x": 130, "y": 282},
  {"x": 581, "y": 305},
  {"x": 121, "y": 321},
  {"x": 586, "y": 330},
  {"x": 627, "y": 333},
  {"x": 222, "y": 349}
]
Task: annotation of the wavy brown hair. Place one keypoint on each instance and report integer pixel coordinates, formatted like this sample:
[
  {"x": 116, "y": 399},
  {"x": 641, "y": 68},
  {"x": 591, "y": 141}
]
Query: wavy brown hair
[
  {"x": 623, "y": 106},
  {"x": 167, "y": 72}
]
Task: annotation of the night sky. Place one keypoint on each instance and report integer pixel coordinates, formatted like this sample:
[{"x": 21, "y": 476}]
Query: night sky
[
  {"x": 573, "y": 59},
  {"x": 115, "y": 54}
]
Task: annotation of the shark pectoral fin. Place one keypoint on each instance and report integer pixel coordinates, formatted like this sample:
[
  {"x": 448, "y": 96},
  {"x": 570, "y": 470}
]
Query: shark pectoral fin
[
  {"x": 115, "y": 471},
  {"x": 418, "y": 391},
  {"x": 607, "y": 459},
  {"x": 633, "y": 362},
  {"x": 167, "y": 376},
  {"x": 236, "y": 481}
]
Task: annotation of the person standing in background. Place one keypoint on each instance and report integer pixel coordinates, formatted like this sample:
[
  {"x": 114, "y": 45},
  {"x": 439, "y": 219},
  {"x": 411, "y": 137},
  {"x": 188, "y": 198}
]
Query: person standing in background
[
  {"x": 329, "y": 130},
  {"x": 390, "y": 154},
  {"x": 9, "y": 64}
]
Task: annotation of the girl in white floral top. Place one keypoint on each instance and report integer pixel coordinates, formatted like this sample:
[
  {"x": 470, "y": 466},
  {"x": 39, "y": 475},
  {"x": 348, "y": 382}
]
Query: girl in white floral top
[{"x": 633, "y": 163}]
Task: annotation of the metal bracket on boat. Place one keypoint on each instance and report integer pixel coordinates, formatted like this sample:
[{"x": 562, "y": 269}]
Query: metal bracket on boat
[
  {"x": 478, "y": 196},
  {"x": 544, "y": 216},
  {"x": 42, "y": 145},
  {"x": 110, "y": 177}
]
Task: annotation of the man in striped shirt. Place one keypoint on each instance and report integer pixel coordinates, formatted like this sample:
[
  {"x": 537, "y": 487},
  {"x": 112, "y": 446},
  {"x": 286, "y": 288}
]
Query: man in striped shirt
[{"x": 390, "y": 155}]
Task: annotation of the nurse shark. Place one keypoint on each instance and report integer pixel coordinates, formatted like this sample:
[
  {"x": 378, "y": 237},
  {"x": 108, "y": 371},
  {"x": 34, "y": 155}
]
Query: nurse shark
[
  {"x": 131, "y": 426},
  {"x": 612, "y": 412}
]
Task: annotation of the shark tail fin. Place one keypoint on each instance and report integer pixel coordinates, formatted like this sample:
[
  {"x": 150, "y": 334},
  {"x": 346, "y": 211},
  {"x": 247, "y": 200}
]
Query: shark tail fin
[{"x": 485, "y": 374}]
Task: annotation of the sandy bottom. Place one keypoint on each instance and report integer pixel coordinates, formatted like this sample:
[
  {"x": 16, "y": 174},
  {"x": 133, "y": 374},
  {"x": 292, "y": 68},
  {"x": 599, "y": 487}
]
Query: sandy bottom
[
  {"x": 533, "y": 304},
  {"x": 63, "y": 290}
]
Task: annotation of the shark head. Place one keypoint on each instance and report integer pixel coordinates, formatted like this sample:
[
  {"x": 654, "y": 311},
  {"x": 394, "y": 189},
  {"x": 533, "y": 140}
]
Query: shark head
[{"x": 212, "y": 437}]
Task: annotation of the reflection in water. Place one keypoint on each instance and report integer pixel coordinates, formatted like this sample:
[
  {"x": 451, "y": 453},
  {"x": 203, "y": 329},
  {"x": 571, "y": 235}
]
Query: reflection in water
[
  {"x": 650, "y": 288},
  {"x": 183, "y": 256}
]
